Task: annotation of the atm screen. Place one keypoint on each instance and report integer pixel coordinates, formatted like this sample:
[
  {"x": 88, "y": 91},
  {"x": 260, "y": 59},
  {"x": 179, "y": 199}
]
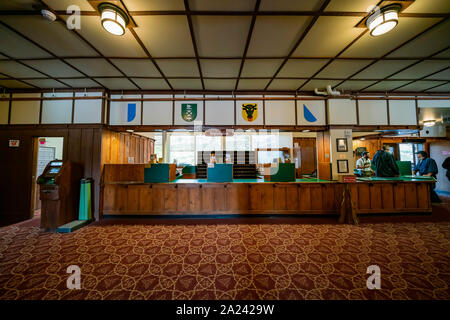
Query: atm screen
[
  {"x": 54, "y": 170},
  {"x": 56, "y": 163}
]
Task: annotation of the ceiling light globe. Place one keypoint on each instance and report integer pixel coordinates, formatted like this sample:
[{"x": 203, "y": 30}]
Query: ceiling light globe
[
  {"x": 114, "y": 20},
  {"x": 383, "y": 20}
]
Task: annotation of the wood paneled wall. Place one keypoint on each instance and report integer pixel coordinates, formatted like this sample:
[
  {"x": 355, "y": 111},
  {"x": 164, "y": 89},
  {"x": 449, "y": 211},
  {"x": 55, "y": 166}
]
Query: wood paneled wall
[
  {"x": 82, "y": 144},
  {"x": 117, "y": 147},
  {"x": 323, "y": 155}
]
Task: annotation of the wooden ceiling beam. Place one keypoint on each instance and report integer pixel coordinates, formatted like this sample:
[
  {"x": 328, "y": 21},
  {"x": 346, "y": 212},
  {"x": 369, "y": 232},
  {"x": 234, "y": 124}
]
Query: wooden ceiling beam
[
  {"x": 299, "y": 41},
  {"x": 393, "y": 50},
  {"x": 194, "y": 42},
  {"x": 421, "y": 79},
  {"x": 247, "y": 43}
]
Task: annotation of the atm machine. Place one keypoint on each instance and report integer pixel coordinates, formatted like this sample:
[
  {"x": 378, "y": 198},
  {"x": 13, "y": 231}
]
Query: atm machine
[{"x": 59, "y": 193}]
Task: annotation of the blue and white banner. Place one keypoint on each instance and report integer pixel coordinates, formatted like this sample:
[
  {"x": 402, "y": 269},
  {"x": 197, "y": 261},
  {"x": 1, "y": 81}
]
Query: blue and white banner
[{"x": 125, "y": 112}]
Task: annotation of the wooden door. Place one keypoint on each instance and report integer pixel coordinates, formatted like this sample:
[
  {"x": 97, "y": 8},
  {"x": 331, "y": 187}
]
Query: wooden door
[{"x": 305, "y": 156}]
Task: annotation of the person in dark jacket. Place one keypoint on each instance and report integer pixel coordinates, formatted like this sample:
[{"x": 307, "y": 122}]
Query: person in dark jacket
[
  {"x": 427, "y": 167},
  {"x": 446, "y": 166},
  {"x": 384, "y": 162}
]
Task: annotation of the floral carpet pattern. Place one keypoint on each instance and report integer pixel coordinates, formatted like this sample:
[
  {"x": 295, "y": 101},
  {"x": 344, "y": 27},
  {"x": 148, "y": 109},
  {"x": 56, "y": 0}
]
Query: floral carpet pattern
[{"x": 227, "y": 261}]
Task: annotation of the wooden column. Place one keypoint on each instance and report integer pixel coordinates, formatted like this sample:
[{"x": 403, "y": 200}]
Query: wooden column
[{"x": 323, "y": 155}]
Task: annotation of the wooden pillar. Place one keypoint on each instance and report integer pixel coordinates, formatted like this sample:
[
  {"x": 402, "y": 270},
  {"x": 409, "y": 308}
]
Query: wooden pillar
[{"x": 323, "y": 155}]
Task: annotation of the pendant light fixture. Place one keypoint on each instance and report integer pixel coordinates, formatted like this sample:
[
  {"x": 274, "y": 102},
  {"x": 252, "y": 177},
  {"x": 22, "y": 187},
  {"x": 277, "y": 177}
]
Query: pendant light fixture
[
  {"x": 114, "y": 19},
  {"x": 383, "y": 20}
]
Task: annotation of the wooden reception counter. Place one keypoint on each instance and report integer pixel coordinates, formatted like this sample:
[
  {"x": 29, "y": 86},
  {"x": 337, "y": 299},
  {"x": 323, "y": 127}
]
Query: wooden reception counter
[{"x": 125, "y": 193}]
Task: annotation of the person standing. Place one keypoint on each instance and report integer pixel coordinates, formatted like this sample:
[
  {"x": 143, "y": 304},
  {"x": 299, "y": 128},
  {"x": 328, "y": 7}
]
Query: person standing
[
  {"x": 385, "y": 165},
  {"x": 363, "y": 164},
  {"x": 427, "y": 167},
  {"x": 446, "y": 166}
]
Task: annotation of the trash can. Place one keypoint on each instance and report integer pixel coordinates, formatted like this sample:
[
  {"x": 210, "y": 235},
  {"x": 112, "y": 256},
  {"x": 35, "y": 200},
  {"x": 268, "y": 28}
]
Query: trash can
[{"x": 85, "y": 212}]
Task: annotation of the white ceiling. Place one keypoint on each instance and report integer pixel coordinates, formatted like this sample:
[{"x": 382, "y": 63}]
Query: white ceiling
[{"x": 225, "y": 45}]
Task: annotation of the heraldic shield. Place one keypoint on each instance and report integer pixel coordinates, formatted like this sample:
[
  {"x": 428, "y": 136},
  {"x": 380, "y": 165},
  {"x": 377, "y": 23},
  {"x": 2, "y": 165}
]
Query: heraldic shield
[
  {"x": 250, "y": 111},
  {"x": 189, "y": 111}
]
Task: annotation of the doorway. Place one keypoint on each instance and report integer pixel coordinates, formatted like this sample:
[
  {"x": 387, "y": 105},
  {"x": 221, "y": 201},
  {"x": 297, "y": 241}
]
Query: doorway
[
  {"x": 305, "y": 156},
  {"x": 46, "y": 149}
]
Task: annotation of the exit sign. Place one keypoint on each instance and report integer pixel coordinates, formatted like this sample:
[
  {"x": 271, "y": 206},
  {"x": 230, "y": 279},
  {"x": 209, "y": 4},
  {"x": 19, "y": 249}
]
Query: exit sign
[{"x": 14, "y": 143}]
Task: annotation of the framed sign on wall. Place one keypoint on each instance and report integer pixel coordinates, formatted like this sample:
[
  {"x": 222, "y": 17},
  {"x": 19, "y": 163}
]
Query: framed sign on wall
[
  {"x": 341, "y": 145},
  {"x": 342, "y": 166}
]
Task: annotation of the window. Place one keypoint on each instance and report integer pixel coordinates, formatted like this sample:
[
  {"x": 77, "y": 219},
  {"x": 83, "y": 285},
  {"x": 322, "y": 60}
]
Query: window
[
  {"x": 208, "y": 143},
  {"x": 238, "y": 142},
  {"x": 182, "y": 149},
  {"x": 158, "y": 145}
]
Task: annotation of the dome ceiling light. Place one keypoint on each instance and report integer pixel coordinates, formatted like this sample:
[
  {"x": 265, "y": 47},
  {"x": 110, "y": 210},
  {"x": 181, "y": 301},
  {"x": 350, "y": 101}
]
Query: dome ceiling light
[
  {"x": 383, "y": 20},
  {"x": 114, "y": 19}
]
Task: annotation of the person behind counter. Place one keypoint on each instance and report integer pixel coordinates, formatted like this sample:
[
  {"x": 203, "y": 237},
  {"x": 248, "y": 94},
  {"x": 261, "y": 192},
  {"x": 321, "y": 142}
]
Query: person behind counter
[
  {"x": 363, "y": 164},
  {"x": 427, "y": 167},
  {"x": 385, "y": 165}
]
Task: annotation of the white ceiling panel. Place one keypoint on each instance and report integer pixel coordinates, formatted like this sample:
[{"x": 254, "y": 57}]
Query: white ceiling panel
[
  {"x": 13, "y": 84},
  {"x": 429, "y": 6},
  {"x": 17, "y": 70},
  {"x": 55, "y": 68},
  {"x": 354, "y": 85},
  {"x": 368, "y": 46},
  {"x": 301, "y": 68},
  {"x": 220, "y": 68},
  {"x": 443, "y": 75},
  {"x": 275, "y": 36},
  {"x": 427, "y": 44},
  {"x": 319, "y": 84},
  {"x": 117, "y": 83},
  {"x": 445, "y": 88},
  {"x": 47, "y": 83},
  {"x": 108, "y": 44},
  {"x": 62, "y": 5},
  {"x": 154, "y": 5},
  {"x": 137, "y": 67},
  {"x": 16, "y": 46},
  {"x": 94, "y": 67},
  {"x": 383, "y": 68},
  {"x": 342, "y": 68},
  {"x": 220, "y": 84},
  {"x": 443, "y": 54},
  {"x": 17, "y": 5},
  {"x": 290, "y": 5},
  {"x": 179, "y": 68},
  {"x": 220, "y": 36},
  {"x": 422, "y": 69},
  {"x": 165, "y": 36},
  {"x": 222, "y": 5},
  {"x": 186, "y": 84},
  {"x": 260, "y": 68},
  {"x": 350, "y": 5},
  {"x": 252, "y": 84},
  {"x": 328, "y": 37},
  {"x": 53, "y": 36},
  {"x": 285, "y": 84},
  {"x": 420, "y": 86},
  {"x": 82, "y": 83},
  {"x": 385, "y": 86},
  {"x": 152, "y": 84}
]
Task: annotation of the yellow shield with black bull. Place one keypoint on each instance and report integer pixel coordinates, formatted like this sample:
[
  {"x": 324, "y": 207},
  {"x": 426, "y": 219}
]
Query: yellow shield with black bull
[{"x": 249, "y": 111}]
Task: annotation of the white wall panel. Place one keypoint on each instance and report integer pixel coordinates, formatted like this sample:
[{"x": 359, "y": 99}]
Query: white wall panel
[
  {"x": 125, "y": 112},
  {"x": 372, "y": 112},
  {"x": 88, "y": 111},
  {"x": 280, "y": 112},
  {"x": 57, "y": 111},
  {"x": 341, "y": 111},
  {"x": 25, "y": 112},
  {"x": 311, "y": 113},
  {"x": 402, "y": 112},
  {"x": 157, "y": 112},
  {"x": 433, "y": 103},
  {"x": 219, "y": 112}
]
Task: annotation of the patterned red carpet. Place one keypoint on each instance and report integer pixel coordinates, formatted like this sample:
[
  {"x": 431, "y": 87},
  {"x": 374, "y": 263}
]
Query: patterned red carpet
[{"x": 222, "y": 260}]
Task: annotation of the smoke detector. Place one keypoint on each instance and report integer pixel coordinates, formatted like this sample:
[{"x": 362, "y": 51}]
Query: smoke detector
[{"x": 48, "y": 15}]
